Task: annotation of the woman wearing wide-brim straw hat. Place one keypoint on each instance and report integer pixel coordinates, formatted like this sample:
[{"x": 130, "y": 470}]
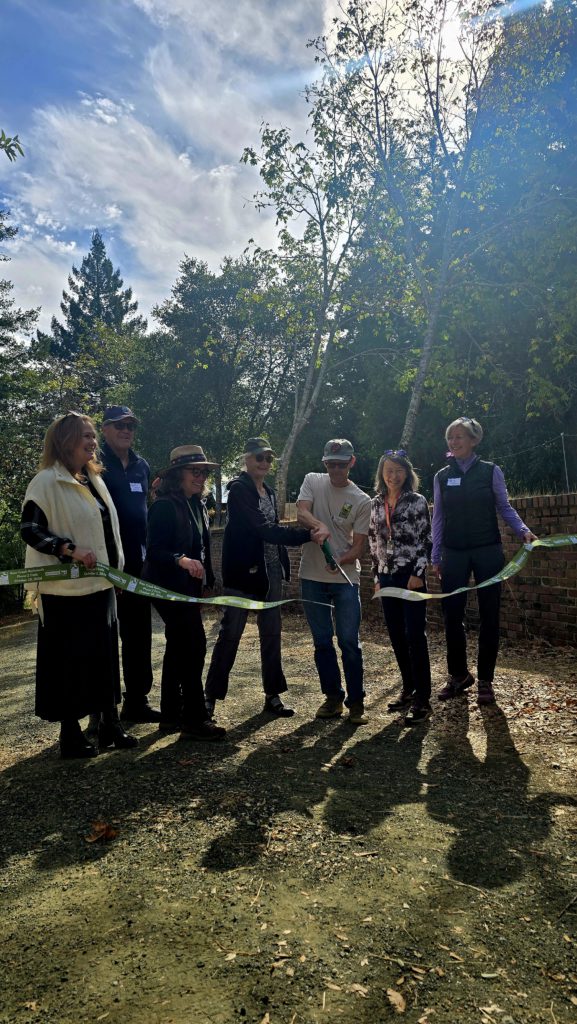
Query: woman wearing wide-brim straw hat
[{"x": 178, "y": 558}]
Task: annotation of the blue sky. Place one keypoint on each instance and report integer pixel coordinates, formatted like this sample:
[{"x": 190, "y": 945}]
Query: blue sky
[{"x": 133, "y": 115}]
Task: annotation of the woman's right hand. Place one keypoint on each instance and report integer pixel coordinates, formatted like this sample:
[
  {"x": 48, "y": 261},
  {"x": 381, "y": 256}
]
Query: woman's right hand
[
  {"x": 84, "y": 555},
  {"x": 192, "y": 566}
]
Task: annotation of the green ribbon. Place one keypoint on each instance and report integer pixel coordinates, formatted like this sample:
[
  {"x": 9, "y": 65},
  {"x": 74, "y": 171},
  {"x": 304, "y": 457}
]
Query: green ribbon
[
  {"x": 16, "y": 577},
  {"x": 558, "y": 540}
]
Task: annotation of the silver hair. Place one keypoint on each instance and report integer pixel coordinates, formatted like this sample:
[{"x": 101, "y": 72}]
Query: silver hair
[{"x": 473, "y": 427}]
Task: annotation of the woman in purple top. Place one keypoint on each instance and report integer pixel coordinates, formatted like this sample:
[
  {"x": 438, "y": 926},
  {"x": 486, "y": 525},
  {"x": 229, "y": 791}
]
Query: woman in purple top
[{"x": 468, "y": 494}]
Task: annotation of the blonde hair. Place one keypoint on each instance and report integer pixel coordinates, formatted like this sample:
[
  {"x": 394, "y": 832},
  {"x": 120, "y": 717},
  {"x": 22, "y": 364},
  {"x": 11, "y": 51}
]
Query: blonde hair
[
  {"x": 473, "y": 428},
  {"x": 62, "y": 438}
]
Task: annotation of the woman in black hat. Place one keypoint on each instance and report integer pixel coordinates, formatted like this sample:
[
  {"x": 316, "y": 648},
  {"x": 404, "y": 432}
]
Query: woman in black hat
[
  {"x": 254, "y": 563},
  {"x": 178, "y": 558}
]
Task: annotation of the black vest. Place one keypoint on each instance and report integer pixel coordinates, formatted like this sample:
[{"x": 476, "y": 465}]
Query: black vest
[{"x": 469, "y": 515}]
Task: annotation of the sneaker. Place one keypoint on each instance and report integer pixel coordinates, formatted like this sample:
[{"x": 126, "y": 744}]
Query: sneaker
[
  {"x": 486, "y": 693},
  {"x": 455, "y": 685},
  {"x": 332, "y": 707},
  {"x": 141, "y": 712},
  {"x": 275, "y": 706},
  {"x": 207, "y": 731},
  {"x": 357, "y": 713},
  {"x": 418, "y": 713},
  {"x": 402, "y": 702}
]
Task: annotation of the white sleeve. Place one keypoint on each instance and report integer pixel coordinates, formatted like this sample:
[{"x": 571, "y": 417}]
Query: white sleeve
[{"x": 306, "y": 492}]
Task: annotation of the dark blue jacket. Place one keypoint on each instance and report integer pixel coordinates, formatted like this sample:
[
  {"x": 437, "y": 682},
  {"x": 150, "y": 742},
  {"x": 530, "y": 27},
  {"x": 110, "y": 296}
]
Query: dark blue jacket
[{"x": 129, "y": 490}]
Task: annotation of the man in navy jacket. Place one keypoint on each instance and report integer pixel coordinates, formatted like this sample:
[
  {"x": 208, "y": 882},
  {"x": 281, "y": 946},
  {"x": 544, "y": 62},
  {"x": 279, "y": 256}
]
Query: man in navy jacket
[{"x": 127, "y": 478}]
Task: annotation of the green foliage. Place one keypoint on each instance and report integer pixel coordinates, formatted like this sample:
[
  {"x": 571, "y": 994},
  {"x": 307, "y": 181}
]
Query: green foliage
[
  {"x": 10, "y": 145},
  {"x": 95, "y": 299}
]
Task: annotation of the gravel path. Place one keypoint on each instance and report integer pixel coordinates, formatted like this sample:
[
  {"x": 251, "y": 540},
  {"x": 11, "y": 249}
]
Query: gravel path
[{"x": 303, "y": 871}]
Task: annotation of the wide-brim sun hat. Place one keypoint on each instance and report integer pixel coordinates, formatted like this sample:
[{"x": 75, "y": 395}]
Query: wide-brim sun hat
[{"x": 188, "y": 456}]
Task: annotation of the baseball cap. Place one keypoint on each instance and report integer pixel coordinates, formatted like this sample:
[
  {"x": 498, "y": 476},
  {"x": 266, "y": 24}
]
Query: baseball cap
[
  {"x": 338, "y": 450},
  {"x": 114, "y": 413}
]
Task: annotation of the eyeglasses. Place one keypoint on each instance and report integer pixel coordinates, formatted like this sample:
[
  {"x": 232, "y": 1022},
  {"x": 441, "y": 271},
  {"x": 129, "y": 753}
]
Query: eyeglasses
[
  {"x": 199, "y": 472},
  {"x": 264, "y": 458},
  {"x": 396, "y": 451},
  {"x": 123, "y": 425},
  {"x": 338, "y": 465}
]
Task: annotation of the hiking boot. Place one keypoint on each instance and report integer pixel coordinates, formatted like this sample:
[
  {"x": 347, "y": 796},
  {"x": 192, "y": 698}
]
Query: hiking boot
[
  {"x": 357, "y": 713},
  {"x": 486, "y": 693},
  {"x": 138, "y": 713},
  {"x": 331, "y": 708},
  {"x": 169, "y": 725},
  {"x": 209, "y": 705},
  {"x": 418, "y": 713},
  {"x": 274, "y": 706},
  {"x": 207, "y": 732},
  {"x": 403, "y": 701},
  {"x": 455, "y": 686}
]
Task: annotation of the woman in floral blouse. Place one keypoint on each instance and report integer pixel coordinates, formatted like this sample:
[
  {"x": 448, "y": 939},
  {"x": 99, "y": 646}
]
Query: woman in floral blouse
[{"x": 400, "y": 545}]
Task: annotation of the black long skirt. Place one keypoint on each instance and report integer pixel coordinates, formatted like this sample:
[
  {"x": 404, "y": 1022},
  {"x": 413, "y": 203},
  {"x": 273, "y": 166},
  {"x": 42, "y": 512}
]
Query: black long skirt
[{"x": 77, "y": 665}]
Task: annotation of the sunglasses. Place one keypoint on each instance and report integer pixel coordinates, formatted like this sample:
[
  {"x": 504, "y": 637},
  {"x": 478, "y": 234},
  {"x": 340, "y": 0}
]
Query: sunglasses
[
  {"x": 338, "y": 465},
  {"x": 396, "y": 451},
  {"x": 122, "y": 425},
  {"x": 264, "y": 458},
  {"x": 199, "y": 472}
]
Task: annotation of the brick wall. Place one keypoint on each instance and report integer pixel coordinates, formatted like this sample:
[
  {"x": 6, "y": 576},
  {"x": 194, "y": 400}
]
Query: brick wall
[{"x": 540, "y": 601}]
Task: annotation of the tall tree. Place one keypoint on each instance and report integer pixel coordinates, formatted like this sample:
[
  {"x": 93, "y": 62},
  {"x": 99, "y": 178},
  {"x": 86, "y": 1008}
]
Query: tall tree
[
  {"x": 19, "y": 411},
  {"x": 222, "y": 363},
  {"x": 96, "y": 297},
  {"x": 406, "y": 83},
  {"x": 320, "y": 204}
]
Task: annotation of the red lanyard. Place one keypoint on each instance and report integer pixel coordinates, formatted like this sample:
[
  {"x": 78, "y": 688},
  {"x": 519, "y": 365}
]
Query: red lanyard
[{"x": 389, "y": 509}]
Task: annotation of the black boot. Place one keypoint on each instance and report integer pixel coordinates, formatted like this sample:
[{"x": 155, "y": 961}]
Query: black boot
[
  {"x": 111, "y": 733},
  {"x": 73, "y": 742}
]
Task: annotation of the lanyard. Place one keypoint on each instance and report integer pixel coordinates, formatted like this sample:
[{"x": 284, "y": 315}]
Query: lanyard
[{"x": 389, "y": 510}]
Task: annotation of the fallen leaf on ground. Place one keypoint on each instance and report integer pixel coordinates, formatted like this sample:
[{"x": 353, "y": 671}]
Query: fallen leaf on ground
[
  {"x": 360, "y": 990},
  {"x": 396, "y": 1000},
  {"x": 230, "y": 956},
  {"x": 101, "y": 830}
]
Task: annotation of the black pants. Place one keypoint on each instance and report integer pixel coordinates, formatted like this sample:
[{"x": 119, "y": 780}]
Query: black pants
[
  {"x": 181, "y": 693},
  {"x": 135, "y": 627},
  {"x": 407, "y": 625},
  {"x": 229, "y": 637},
  {"x": 456, "y": 569}
]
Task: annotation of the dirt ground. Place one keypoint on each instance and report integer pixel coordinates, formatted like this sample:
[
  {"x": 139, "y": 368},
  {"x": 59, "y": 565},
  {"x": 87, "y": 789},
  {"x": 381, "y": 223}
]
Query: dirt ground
[{"x": 303, "y": 871}]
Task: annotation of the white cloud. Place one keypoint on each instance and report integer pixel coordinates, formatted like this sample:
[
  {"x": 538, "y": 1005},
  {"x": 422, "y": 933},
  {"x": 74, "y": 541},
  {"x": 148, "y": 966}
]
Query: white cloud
[
  {"x": 268, "y": 31},
  {"x": 158, "y": 169},
  {"x": 122, "y": 174}
]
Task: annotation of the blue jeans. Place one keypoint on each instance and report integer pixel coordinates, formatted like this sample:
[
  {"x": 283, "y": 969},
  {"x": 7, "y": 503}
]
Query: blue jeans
[{"x": 346, "y": 602}]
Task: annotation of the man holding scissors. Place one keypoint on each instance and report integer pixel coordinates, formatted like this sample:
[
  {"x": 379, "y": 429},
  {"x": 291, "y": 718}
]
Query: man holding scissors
[{"x": 331, "y": 501}]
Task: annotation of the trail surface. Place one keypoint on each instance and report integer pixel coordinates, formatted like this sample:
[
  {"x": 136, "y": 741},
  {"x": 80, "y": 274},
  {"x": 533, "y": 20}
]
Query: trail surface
[{"x": 303, "y": 871}]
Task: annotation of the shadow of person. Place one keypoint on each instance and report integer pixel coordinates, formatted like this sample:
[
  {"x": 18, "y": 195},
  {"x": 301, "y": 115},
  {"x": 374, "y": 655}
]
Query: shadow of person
[
  {"x": 285, "y": 775},
  {"x": 486, "y": 801},
  {"x": 57, "y": 800},
  {"x": 377, "y": 774}
]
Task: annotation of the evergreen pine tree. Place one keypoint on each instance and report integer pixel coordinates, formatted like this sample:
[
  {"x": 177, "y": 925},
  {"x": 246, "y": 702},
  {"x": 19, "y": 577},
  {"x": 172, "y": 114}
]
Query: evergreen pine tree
[{"x": 95, "y": 299}]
